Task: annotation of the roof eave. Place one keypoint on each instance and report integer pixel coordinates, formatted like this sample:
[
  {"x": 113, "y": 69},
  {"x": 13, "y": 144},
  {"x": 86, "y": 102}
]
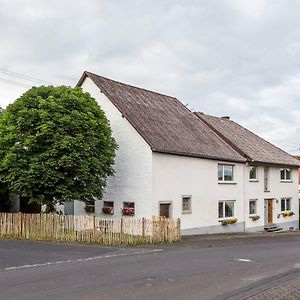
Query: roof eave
[{"x": 198, "y": 155}]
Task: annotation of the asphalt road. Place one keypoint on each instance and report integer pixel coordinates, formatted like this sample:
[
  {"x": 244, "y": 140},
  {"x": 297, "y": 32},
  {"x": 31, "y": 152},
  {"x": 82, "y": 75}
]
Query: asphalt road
[{"x": 194, "y": 269}]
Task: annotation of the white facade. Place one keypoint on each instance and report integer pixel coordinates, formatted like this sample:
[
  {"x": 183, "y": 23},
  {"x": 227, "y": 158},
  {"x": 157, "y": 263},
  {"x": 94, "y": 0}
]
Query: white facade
[
  {"x": 133, "y": 165},
  {"x": 149, "y": 179},
  {"x": 277, "y": 190}
]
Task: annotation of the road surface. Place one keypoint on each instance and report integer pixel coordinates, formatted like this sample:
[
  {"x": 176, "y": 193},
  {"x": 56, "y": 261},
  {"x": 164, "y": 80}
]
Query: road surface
[{"x": 230, "y": 268}]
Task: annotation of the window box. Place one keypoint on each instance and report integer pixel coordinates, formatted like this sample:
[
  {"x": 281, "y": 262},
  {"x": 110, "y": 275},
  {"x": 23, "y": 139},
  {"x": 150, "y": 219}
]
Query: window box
[
  {"x": 128, "y": 211},
  {"x": 108, "y": 210},
  {"x": 254, "y": 218},
  {"x": 287, "y": 213},
  {"x": 228, "y": 221}
]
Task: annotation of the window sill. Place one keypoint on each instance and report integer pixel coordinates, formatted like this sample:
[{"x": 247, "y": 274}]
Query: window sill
[
  {"x": 226, "y": 182},
  {"x": 186, "y": 212},
  {"x": 266, "y": 191},
  {"x": 253, "y": 180},
  {"x": 286, "y": 181}
]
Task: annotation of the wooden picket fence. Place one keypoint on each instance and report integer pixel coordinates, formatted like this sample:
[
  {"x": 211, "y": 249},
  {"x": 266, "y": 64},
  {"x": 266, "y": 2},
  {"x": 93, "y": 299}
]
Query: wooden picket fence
[{"x": 89, "y": 229}]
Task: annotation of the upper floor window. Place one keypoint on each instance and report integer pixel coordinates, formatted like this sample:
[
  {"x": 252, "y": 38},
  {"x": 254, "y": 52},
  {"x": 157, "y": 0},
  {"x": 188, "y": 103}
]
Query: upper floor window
[
  {"x": 285, "y": 204},
  {"x": 225, "y": 172},
  {"x": 253, "y": 173},
  {"x": 285, "y": 174}
]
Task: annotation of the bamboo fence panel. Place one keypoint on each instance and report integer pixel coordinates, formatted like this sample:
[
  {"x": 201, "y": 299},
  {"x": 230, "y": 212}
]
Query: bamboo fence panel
[{"x": 89, "y": 229}]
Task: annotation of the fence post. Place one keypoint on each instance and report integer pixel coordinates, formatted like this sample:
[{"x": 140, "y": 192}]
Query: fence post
[{"x": 143, "y": 228}]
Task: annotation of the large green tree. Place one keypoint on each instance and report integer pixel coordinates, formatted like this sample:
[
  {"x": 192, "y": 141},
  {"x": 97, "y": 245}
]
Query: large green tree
[{"x": 56, "y": 145}]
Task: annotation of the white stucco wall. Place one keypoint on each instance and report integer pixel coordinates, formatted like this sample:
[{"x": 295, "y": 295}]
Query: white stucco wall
[
  {"x": 277, "y": 190},
  {"x": 175, "y": 176},
  {"x": 133, "y": 165}
]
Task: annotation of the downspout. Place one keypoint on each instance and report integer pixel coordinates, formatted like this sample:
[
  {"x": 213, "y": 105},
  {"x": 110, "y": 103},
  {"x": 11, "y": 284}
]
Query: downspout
[{"x": 245, "y": 166}]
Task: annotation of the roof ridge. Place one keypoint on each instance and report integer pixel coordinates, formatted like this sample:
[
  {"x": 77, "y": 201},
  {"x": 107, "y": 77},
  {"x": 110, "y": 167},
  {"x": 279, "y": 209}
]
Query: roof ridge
[{"x": 130, "y": 85}]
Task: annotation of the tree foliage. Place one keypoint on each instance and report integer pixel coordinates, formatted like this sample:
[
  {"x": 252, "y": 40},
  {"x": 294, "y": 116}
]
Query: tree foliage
[{"x": 56, "y": 145}]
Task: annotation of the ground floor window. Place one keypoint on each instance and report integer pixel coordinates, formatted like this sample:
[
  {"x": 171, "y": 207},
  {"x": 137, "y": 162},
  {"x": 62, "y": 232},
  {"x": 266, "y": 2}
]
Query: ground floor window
[
  {"x": 108, "y": 207},
  {"x": 226, "y": 209},
  {"x": 285, "y": 204},
  {"x": 253, "y": 207},
  {"x": 89, "y": 206},
  {"x": 128, "y": 208},
  {"x": 186, "y": 204}
]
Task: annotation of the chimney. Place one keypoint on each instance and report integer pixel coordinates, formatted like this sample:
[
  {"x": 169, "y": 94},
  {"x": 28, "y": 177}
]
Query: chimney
[{"x": 225, "y": 118}]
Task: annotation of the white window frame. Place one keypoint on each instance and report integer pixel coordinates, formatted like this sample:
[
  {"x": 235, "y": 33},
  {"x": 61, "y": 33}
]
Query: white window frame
[
  {"x": 253, "y": 179},
  {"x": 254, "y": 214},
  {"x": 189, "y": 210},
  {"x": 285, "y": 200},
  {"x": 223, "y": 175},
  {"x": 284, "y": 179},
  {"x": 223, "y": 208}
]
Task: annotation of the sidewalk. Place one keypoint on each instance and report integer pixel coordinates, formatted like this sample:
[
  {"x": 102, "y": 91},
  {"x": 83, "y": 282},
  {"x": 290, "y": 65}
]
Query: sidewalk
[
  {"x": 284, "y": 286},
  {"x": 287, "y": 290},
  {"x": 242, "y": 235}
]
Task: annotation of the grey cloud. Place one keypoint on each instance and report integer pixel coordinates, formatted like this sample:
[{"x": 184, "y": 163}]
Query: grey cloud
[{"x": 234, "y": 57}]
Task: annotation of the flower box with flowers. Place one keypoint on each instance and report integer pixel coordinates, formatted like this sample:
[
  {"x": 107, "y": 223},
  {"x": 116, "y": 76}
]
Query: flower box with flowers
[
  {"x": 288, "y": 213},
  {"x": 108, "y": 210},
  {"x": 228, "y": 221},
  {"x": 128, "y": 211}
]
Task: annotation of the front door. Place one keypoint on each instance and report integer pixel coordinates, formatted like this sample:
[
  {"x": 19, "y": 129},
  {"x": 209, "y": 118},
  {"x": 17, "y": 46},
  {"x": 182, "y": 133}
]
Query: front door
[
  {"x": 268, "y": 211},
  {"x": 164, "y": 210}
]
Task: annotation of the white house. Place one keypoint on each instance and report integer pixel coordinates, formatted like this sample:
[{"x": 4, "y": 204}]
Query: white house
[{"x": 176, "y": 163}]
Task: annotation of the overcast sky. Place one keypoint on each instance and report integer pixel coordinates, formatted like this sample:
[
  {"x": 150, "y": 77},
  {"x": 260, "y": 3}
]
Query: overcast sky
[{"x": 224, "y": 57}]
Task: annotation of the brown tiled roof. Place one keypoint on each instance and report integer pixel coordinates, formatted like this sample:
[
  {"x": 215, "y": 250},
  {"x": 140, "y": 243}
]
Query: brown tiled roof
[
  {"x": 248, "y": 144},
  {"x": 164, "y": 122}
]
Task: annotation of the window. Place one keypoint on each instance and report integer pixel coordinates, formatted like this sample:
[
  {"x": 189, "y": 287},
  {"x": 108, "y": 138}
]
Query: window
[
  {"x": 253, "y": 207},
  {"x": 285, "y": 174},
  {"x": 266, "y": 179},
  {"x": 186, "y": 204},
  {"x": 225, "y": 172},
  {"x": 108, "y": 207},
  {"x": 226, "y": 209},
  {"x": 89, "y": 206},
  {"x": 253, "y": 173},
  {"x": 128, "y": 209},
  {"x": 285, "y": 204}
]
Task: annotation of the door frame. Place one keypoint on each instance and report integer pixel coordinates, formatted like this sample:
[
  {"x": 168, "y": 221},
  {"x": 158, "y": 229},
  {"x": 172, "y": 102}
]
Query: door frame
[{"x": 268, "y": 202}]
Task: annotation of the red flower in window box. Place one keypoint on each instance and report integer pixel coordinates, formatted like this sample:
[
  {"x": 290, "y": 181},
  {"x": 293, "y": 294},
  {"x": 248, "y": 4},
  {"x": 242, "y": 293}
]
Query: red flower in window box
[
  {"x": 128, "y": 211},
  {"x": 108, "y": 210}
]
